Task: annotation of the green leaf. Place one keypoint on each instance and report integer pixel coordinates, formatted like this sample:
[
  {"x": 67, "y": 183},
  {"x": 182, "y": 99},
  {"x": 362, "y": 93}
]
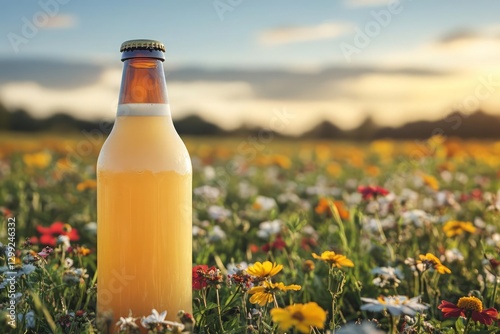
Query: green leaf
[{"x": 460, "y": 325}]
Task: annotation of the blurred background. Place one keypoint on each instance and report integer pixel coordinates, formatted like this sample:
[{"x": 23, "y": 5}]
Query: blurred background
[{"x": 355, "y": 69}]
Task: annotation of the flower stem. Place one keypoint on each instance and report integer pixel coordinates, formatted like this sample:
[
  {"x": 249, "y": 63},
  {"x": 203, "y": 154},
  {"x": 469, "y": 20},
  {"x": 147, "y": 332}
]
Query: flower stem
[
  {"x": 330, "y": 279},
  {"x": 218, "y": 310},
  {"x": 245, "y": 310},
  {"x": 494, "y": 294},
  {"x": 391, "y": 326},
  {"x": 384, "y": 240},
  {"x": 466, "y": 329},
  {"x": 339, "y": 277}
]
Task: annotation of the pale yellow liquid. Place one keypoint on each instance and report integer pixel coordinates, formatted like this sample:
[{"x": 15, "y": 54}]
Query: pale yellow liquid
[{"x": 144, "y": 220}]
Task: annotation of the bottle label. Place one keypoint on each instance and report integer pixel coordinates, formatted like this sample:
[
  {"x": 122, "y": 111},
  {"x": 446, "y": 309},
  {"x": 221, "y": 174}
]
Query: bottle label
[{"x": 143, "y": 109}]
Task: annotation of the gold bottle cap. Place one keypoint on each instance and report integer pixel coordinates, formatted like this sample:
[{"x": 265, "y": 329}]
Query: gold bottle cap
[{"x": 147, "y": 44}]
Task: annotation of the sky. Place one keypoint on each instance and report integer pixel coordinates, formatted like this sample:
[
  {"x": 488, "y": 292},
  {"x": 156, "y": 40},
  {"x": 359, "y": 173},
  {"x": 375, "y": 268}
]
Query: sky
[{"x": 237, "y": 62}]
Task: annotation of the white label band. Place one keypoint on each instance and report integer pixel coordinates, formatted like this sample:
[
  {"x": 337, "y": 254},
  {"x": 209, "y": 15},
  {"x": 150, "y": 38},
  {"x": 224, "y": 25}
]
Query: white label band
[{"x": 143, "y": 109}]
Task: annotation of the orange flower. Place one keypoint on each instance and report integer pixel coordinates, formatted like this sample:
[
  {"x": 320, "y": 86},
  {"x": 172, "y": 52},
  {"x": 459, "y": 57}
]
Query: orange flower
[
  {"x": 84, "y": 251},
  {"x": 334, "y": 169},
  {"x": 64, "y": 164},
  {"x": 87, "y": 184},
  {"x": 372, "y": 170},
  {"x": 324, "y": 207}
]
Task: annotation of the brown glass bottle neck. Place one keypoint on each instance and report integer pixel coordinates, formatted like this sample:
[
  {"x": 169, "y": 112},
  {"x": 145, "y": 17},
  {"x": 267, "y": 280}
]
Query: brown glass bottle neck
[{"x": 143, "y": 81}]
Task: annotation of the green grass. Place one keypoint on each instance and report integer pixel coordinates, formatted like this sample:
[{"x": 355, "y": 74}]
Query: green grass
[{"x": 55, "y": 297}]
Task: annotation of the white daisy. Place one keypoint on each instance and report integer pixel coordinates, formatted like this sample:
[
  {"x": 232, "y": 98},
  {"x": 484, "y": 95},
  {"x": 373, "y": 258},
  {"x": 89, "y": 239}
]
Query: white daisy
[{"x": 395, "y": 305}]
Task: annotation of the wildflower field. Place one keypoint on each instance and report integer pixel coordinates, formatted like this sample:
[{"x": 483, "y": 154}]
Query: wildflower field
[{"x": 289, "y": 237}]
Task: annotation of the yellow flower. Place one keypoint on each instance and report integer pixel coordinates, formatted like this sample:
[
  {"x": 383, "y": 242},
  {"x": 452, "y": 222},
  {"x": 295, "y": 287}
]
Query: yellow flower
[
  {"x": 282, "y": 160},
  {"x": 17, "y": 262},
  {"x": 39, "y": 160},
  {"x": 322, "y": 152},
  {"x": 431, "y": 181},
  {"x": 263, "y": 270},
  {"x": 384, "y": 148},
  {"x": 470, "y": 304},
  {"x": 431, "y": 261},
  {"x": 87, "y": 184},
  {"x": 260, "y": 295},
  {"x": 453, "y": 228},
  {"x": 308, "y": 266},
  {"x": 264, "y": 294},
  {"x": 335, "y": 260},
  {"x": 300, "y": 316},
  {"x": 282, "y": 287}
]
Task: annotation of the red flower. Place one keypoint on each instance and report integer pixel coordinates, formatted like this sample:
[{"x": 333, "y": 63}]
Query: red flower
[
  {"x": 308, "y": 243},
  {"x": 370, "y": 192},
  {"x": 80, "y": 313},
  {"x": 49, "y": 234},
  {"x": 494, "y": 263},
  {"x": 475, "y": 194},
  {"x": 241, "y": 279},
  {"x": 6, "y": 212},
  {"x": 253, "y": 248},
  {"x": 198, "y": 279},
  {"x": 469, "y": 306},
  {"x": 277, "y": 244},
  {"x": 204, "y": 276}
]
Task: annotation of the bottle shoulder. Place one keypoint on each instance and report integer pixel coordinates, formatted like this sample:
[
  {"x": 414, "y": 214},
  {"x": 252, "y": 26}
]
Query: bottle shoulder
[{"x": 144, "y": 143}]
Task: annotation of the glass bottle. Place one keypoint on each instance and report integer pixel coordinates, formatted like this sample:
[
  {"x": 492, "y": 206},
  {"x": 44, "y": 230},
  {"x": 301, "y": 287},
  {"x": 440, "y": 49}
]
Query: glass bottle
[{"x": 144, "y": 201}]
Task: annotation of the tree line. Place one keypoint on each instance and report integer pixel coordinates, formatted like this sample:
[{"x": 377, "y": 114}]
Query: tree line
[{"x": 479, "y": 124}]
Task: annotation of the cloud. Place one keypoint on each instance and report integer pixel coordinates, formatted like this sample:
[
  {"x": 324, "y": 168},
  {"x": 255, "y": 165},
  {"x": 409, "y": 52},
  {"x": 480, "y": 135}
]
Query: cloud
[
  {"x": 368, "y": 3},
  {"x": 298, "y": 34},
  {"x": 95, "y": 100},
  {"x": 282, "y": 84},
  {"x": 49, "y": 73},
  {"x": 61, "y": 21},
  {"x": 459, "y": 50},
  {"x": 458, "y": 35},
  {"x": 231, "y": 97}
]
